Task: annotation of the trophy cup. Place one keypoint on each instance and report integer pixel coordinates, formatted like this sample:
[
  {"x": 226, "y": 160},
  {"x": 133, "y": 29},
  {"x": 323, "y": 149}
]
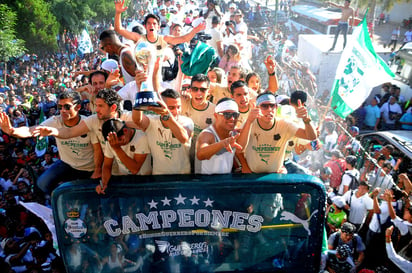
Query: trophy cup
[{"x": 146, "y": 96}]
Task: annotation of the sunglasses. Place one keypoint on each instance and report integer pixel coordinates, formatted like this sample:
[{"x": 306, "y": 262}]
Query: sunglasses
[
  {"x": 184, "y": 88},
  {"x": 229, "y": 115},
  {"x": 66, "y": 106},
  {"x": 266, "y": 106},
  {"x": 202, "y": 89}
]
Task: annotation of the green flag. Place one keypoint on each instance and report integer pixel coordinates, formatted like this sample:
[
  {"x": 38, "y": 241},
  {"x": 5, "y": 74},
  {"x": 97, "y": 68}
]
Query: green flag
[
  {"x": 359, "y": 70},
  {"x": 41, "y": 144}
]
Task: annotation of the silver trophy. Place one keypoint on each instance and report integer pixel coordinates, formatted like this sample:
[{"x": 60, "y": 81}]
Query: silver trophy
[{"x": 146, "y": 96}]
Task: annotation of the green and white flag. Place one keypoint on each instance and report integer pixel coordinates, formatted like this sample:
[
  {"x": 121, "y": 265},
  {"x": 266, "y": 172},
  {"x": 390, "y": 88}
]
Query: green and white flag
[
  {"x": 359, "y": 70},
  {"x": 85, "y": 43},
  {"x": 41, "y": 144}
]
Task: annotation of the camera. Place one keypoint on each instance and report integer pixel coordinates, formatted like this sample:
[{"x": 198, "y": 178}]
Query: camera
[
  {"x": 201, "y": 36},
  {"x": 180, "y": 47}
]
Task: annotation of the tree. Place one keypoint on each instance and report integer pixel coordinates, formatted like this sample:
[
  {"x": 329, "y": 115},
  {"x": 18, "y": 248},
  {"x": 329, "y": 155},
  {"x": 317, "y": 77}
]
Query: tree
[
  {"x": 35, "y": 24},
  {"x": 10, "y": 46},
  {"x": 73, "y": 14}
]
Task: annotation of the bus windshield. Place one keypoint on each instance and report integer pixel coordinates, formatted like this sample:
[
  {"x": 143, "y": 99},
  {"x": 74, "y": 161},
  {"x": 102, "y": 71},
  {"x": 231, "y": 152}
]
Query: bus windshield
[{"x": 230, "y": 223}]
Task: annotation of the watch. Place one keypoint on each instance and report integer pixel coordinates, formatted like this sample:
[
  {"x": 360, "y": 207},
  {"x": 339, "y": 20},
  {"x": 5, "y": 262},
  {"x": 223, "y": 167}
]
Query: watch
[
  {"x": 165, "y": 117},
  {"x": 272, "y": 74}
]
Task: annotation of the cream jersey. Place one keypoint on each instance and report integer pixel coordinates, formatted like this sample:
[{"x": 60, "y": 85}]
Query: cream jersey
[
  {"x": 265, "y": 151},
  {"x": 201, "y": 118},
  {"x": 137, "y": 145},
  {"x": 76, "y": 151},
  {"x": 170, "y": 156}
]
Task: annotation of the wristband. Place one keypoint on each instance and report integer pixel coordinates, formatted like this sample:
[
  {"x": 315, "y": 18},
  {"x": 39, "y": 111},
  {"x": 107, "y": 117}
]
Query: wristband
[
  {"x": 307, "y": 120},
  {"x": 272, "y": 74}
]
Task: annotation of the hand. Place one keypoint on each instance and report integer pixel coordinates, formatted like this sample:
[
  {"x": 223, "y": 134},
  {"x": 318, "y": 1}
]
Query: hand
[
  {"x": 100, "y": 189},
  {"x": 5, "y": 123},
  {"x": 270, "y": 64},
  {"x": 375, "y": 192},
  {"x": 230, "y": 143},
  {"x": 119, "y": 6},
  {"x": 200, "y": 27},
  {"x": 388, "y": 231},
  {"x": 254, "y": 114},
  {"x": 162, "y": 110},
  {"x": 301, "y": 111},
  {"x": 141, "y": 76},
  {"x": 388, "y": 196},
  {"x": 113, "y": 78},
  {"x": 114, "y": 141}
]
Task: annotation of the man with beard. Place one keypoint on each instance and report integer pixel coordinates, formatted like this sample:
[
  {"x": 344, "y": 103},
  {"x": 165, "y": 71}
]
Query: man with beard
[{"x": 75, "y": 160}]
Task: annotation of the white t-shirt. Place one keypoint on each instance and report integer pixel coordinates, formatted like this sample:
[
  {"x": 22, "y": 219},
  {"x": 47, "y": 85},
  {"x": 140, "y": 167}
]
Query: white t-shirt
[
  {"x": 374, "y": 224},
  {"x": 170, "y": 156},
  {"x": 76, "y": 151},
  {"x": 217, "y": 36},
  {"x": 265, "y": 151},
  {"x": 137, "y": 145},
  {"x": 359, "y": 207},
  {"x": 346, "y": 179}
]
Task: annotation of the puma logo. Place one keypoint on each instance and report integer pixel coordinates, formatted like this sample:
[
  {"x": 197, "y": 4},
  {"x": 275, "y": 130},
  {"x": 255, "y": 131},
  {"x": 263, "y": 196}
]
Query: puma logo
[
  {"x": 288, "y": 216},
  {"x": 160, "y": 132},
  {"x": 257, "y": 137}
]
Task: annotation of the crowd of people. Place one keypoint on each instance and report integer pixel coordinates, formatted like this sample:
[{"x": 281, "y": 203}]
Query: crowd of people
[{"x": 248, "y": 105}]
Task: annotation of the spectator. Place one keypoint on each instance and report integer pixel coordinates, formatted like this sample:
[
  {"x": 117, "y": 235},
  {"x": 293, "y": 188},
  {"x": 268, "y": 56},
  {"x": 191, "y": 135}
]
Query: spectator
[
  {"x": 335, "y": 215},
  {"x": 337, "y": 164},
  {"x": 350, "y": 176},
  {"x": 372, "y": 117},
  {"x": 391, "y": 112},
  {"x": 347, "y": 236},
  {"x": 359, "y": 205},
  {"x": 402, "y": 263}
]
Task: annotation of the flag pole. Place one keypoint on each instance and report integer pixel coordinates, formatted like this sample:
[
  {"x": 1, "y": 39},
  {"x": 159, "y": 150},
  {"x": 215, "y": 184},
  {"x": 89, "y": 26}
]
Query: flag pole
[{"x": 326, "y": 112}]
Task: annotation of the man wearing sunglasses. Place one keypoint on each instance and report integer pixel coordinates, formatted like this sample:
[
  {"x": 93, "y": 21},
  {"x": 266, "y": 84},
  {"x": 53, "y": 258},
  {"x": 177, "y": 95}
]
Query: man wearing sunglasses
[
  {"x": 216, "y": 145},
  {"x": 198, "y": 108},
  {"x": 264, "y": 137},
  {"x": 107, "y": 107},
  {"x": 76, "y": 160}
]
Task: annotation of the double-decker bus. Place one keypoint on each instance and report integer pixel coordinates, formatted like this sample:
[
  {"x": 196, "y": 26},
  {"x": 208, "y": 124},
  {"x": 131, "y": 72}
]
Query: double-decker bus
[{"x": 316, "y": 20}]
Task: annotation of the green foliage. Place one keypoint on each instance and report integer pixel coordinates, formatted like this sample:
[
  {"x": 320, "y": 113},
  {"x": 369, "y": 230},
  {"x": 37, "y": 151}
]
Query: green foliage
[
  {"x": 104, "y": 9},
  {"x": 35, "y": 24},
  {"x": 9, "y": 45},
  {"x": 72, "y": 15}
]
